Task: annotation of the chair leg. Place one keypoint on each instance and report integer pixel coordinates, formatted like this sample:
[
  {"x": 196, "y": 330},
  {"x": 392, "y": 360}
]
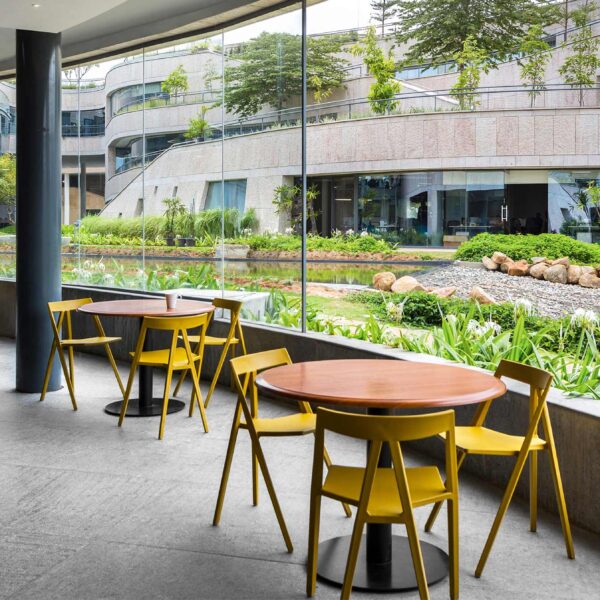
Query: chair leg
[
  {"x": 48, "y": 371},
  {"x": 417, "y": 556},
  {"x": 197, "y": 397},
  {"x": 508, "y": 494},
  {"x": 163, "y": 416},
  {"x": 435, "y": 511},
  {"x": 215, "y": 378},
  {"x": 235, "y": 427},
  {"x": 255, "y": 492},
  {"x": 72, "y": 366},
  {"x": 327, "y": 460},
  {"x": 69, "y": 382},
  {"x": 125, "y": 402},
  {"x": 180, "y": 381},
  {"x": 533, "y": 490},
  {"x": 313, "y": 544},
  {"x": 453, "y": 547},
  {"x": 113, "y": 364},
  {"x": 352, "y": 555}
]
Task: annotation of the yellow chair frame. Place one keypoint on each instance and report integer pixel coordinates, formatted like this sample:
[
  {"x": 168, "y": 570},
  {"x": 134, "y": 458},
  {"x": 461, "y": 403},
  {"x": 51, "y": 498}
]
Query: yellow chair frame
[
  {"x": 375, "y": 496},
  {"x": 172, "y": 359},
  {"x": 235, "y": 338},
  {"x": 302, "y": 423},
  {"x": 64, "y": 308},
  {"x": 477, "y": 439}
]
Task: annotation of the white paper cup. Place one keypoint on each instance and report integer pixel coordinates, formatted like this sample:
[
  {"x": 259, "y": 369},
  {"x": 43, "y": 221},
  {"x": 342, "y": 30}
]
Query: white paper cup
[{"x": 171, "y": 298}]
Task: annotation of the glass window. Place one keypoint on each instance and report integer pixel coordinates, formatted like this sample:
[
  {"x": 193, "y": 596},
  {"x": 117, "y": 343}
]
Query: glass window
[{"x": 234, "y": 195}]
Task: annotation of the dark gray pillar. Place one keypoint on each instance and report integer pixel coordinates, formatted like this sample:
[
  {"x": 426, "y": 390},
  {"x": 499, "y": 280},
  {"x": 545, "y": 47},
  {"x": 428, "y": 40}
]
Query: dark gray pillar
[
  {"x": 82, "y": 190},
  {"x": 38, "y": 203}
]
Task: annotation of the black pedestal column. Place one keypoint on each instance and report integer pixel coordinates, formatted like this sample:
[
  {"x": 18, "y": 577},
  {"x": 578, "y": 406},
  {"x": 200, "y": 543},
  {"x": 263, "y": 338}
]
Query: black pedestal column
[{"x": 38, "y": 203}]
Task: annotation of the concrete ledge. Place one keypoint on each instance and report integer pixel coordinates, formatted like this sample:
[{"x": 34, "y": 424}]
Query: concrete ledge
[{"x": 576, "y": 422}]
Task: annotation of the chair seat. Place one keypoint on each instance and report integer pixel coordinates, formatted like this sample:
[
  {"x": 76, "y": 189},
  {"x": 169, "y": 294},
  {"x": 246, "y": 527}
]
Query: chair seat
[
  {"x": 296, "y": 424},
  {"x": 92, "y": 341},
  {"x": 210, "y": 340},
  {"x": 160, "y": 358},
  {"x": 481, "y": 440},
  {"x": 345, "y": 483}
]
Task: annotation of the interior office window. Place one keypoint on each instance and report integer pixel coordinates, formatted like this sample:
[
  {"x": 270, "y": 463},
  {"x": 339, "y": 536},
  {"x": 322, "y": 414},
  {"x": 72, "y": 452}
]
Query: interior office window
[{"x": 234, "y": 192}]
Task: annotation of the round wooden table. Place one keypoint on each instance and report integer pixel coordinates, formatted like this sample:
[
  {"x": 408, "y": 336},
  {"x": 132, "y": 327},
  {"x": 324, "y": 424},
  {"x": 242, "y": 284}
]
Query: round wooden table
[
  {"x": 145, "y": 405},
  {"x": 380, "y": 386}
]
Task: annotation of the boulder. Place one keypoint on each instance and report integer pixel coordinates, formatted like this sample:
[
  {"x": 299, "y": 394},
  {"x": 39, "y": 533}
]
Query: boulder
[
  {"x": 556, "y": 274},
  {"x": 538, "y": 270},
  {"x": 506, "y": 265},
  {"x": 384, "y": 281},
  {"x": 444, "y": 292},
  {"x": 489, "y": 264},
  {"x": 480, "y": 296},
  {"x": 589, "y": 281},
  {"x": 499, "y": 258},
  {"x": 407, "y": 284},
  {"x": 574, "y": 272},
  {"x": 519, "y": 268},
  {"x": 562, "y": 261},
  {"x": 588, "y": 270},
  {"x": 538, "y": 259}
]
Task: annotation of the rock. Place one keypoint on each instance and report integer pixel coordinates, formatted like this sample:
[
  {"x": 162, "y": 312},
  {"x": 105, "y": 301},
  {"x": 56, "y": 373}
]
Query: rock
[
  {"x": 556, "y": 274},
  {"x": 589, "y": 281},
  {"x": 538, "y": 270},
  {"x": 506, "y": 265},
  {"x": 574, "y": 272},
  {"x": 519, "y": 268},
  {"x": 538, "y": 259},
  {"x": 588, "y": 270},
  {"x": 480, "y": 296},
  {"x": 384, "y": 281},
  {"x": 499, "y": 258},
  {"x": 407, "y": 284},
  {"x": 489, "y": 264},
  {"x": 444, "y": 292},
  {"x": 562, "y": 261}
]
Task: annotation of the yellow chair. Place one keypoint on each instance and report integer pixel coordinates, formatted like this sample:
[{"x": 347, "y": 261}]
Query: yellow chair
[
  {"x": 172, "y": 359},
  {"x": 302, "y": 423},
  {"x": 235, "y": 337},
  {"x": 63, "y": 309},
  {"x": 477, "y": 439},
  {"x": 384, "y": 494}
]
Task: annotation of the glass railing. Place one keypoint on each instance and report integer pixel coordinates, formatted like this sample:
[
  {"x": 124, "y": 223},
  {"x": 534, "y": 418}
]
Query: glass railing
[{"x": 73, "y": 130}]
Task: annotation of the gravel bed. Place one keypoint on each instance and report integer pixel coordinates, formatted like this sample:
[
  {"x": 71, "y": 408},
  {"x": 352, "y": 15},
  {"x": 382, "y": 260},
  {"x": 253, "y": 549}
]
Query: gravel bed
[{"x": 551, "y": 299}]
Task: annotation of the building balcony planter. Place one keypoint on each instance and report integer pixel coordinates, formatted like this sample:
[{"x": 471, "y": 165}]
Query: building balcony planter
[{"x": 586, "y": 233}]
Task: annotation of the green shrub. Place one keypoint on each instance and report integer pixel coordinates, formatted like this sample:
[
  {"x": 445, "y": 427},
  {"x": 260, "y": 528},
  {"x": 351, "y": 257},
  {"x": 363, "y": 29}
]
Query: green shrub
[{"x": 550, "y": 245}]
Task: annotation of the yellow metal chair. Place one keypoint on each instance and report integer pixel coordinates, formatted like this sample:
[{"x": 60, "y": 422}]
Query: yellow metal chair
[
  {"x": 244, "y": 370},
  {"x": 235, "y": 338},
  {"x": 171, "y": 359},
  {"x": 63, "y": 309},
  {"x": 477, "y": 439},
  {"x": 384, "y": 494}
]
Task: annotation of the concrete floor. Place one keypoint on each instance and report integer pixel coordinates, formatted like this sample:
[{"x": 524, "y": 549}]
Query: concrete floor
[{"x": 90, "y": 511}]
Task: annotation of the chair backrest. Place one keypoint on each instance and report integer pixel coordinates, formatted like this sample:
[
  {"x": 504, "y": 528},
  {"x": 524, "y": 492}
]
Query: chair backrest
[
  {"x": 64, "y": 308},
  {"x": 245, "y": 368},
  {"x": 235, "y": 326}
]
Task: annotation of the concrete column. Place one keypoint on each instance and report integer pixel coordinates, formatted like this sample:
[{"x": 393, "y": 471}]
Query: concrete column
[
  {"x": 66, "y": 199},
  {"x": 82, "y": 190},
  {"x": 38, "y": 203}
]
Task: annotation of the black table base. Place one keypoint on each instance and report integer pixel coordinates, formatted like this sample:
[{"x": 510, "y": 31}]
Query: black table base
[
  {"x": 145, "y": 409},
  {"x": 395, "y": 576}
]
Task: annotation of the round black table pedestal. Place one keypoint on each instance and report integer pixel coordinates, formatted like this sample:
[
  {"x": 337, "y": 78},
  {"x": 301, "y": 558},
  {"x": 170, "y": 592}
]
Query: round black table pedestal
[
  {"x": 147, "y": 409},
  {"x": 396, "y": 576}
]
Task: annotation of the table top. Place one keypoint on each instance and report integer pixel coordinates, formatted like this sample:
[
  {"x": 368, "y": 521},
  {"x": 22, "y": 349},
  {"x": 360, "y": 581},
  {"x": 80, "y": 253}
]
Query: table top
[
  {"x": 146, "y": 307},
  {"x": 374, "y": 383}
]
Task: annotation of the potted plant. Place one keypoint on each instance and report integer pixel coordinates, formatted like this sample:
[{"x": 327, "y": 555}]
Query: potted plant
[
  {"x": 174, "y": 209},
  {"x": 187, "y": 225}
]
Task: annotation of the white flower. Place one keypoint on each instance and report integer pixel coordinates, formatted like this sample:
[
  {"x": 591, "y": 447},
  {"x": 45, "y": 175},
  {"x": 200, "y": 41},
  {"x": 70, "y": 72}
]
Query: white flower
[
  {"x": 289, "y": 231},
  {"x": 586, "y": 319},
  {"x": 525, "y": 308},
  {"x": 349, "y": 232},
  {"x": 479, "y": 330},
  {"x": 336, "y": 233},
  {"x": 394, "y": 311},
  {"x": 87, "y": 264},
  {"x": 101, "y": 267},
  {"x": 140, "y": 273},
  {"x": 364, "y": 234},
  {"x": 452, "y": 319}
]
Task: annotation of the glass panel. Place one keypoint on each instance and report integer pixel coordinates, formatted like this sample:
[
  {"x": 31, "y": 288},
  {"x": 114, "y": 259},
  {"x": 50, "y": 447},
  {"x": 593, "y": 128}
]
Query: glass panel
[{"x": 8, "y": 173}]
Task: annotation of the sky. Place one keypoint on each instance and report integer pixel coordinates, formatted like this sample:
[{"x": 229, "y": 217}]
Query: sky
[{"x": 331, "y": 15}]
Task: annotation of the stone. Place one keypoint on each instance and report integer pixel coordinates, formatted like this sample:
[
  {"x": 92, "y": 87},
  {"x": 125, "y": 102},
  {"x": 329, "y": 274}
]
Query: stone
[
  {"x": 489, "y": 264},
  {"x": 562, "y": 261},
  {"x": 574, "y": 272},
  {"x": 519, "y": 268},
  {"x": 480, "y": 296},
  {"x": 538, "y": 270},
  {"x": 407, "y": 284},
  {"x": 506, "y": 265},
  {"x": 588, "y": 270},
  {"x": 499, "y": 258},
  {"x": 589, "y": 281},
  {"x": 538, "y": 259},
  {"x": 556, "y": 274},
  {"x": 444, "y": 292},
  {"x": 383, "y": 281}
]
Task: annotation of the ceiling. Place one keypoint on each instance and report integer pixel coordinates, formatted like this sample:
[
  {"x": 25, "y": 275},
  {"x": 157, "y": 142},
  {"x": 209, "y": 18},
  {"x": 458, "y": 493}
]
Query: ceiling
[{"x": 93, "y": 28}]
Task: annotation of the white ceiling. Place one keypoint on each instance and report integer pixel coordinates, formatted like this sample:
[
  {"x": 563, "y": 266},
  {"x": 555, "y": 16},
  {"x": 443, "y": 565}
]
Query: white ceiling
[{"x": 93, "y": 27}]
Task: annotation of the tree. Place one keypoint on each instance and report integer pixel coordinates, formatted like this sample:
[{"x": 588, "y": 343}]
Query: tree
[
  {"x": 174, "y": 209},
  {"x": 176, "y": 82},
  {"x": 383, "y": 11},
  {"x": 438, "y": 29},
  {"x": 536, "y": 55},
  {"x": 8, "y": 184},
  {"x": 471, "y": 61},
  {"x": 579, "y": 69},
  {"x": 199, "y": 128},
  {"x": 268, "y": 71},
  {"x": 383, "y": 68}
]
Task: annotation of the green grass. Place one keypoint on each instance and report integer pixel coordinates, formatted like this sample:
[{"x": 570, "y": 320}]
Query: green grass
[{"x": 8, "y": 230}]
